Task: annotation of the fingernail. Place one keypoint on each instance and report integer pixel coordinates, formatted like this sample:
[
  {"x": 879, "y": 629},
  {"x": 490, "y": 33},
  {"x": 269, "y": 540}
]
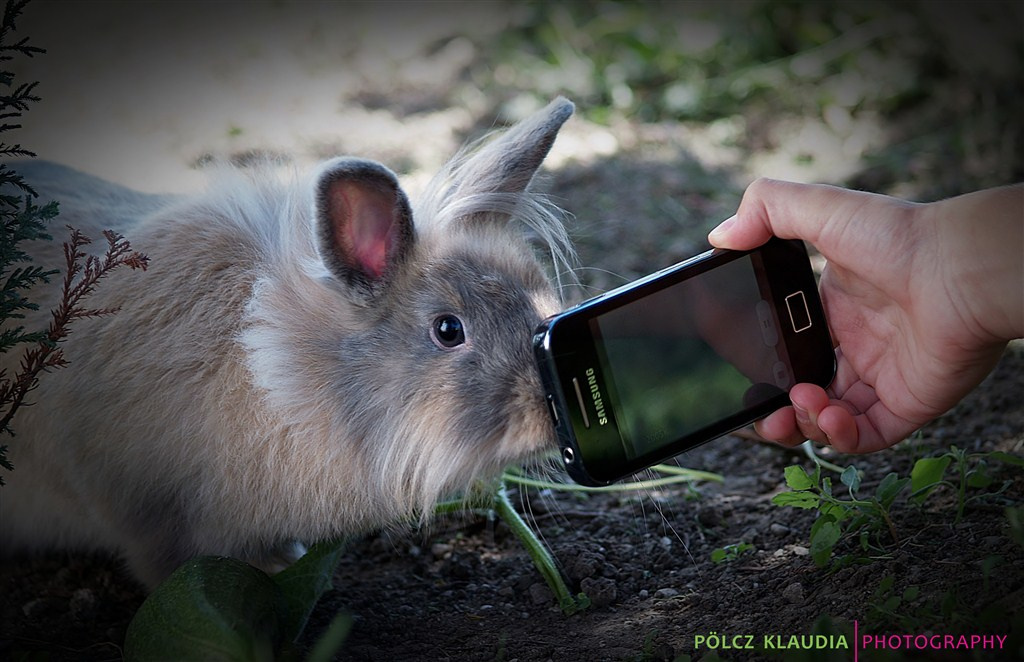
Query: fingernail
[
  {"x": 722, "y": 229},
  {"x": 802, "y": 415}
]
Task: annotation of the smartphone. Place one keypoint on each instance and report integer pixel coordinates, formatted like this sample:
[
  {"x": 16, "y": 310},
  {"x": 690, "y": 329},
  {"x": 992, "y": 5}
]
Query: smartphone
[{"x": 680, "y": 357}]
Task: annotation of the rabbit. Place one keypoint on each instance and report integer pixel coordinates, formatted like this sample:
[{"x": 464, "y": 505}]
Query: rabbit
[{"x": 302, "y": 360}]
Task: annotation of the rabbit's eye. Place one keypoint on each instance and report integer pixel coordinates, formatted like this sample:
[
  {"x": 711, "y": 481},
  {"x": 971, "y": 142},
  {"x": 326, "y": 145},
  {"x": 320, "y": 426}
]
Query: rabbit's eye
[{"x": 448, "y": 331}]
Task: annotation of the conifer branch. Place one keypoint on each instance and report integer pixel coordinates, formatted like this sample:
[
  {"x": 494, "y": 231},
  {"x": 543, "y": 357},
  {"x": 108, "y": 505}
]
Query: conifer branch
[{"x": 80, "y": 280}]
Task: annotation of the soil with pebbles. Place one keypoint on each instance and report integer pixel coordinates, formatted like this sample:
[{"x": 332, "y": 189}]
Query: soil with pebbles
[
  {"x": 469, "y": 592},
  {"x": 465, "y": 589}
]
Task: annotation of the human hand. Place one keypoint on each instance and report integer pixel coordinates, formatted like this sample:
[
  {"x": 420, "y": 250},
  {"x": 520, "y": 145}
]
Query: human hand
[{"x": 921, "y": 300}]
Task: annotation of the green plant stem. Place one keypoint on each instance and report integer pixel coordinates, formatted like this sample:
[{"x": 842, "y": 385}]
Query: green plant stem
[
  {"x": 638, "y": 486},
  {"x": 542, "y": 558},
  {"x": 961, "y": 501},
  {"x": 486, "y": 499},
  {"x": 677, "y": 475},
  {"x": 884, "y": 514},
  {"x": 808, "y": 448}
]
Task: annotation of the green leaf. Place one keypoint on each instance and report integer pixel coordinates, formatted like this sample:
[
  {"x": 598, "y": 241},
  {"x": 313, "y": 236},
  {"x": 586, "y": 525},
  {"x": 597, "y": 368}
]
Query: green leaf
[
  {"x": 885, "y": 586},
  {"x": 979, "y": 477},
  {"x": 890, "y": 486},
  {"x": 837, "y": 511},
  {"x": 730, "y": 552},
  {"x": 303, "y": 582},
  {"x": 926, "y": 475},
  {"x": 804, "y": 500},
  {"x": 1007, "y": 457},
  {"x": 824, "y": 535},
  {"x": 329, "y": 644},
  {"x": 211, "y": 608},
  {"x": 797, "y": 478},
  {"x": 851, "y": 478}
]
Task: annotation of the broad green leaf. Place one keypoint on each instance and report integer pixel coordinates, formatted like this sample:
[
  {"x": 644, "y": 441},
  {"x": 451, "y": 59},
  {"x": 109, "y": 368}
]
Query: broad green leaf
[
  {"x": 804, "y": 500},
  {"x": 211, "y": 608},
  {"x": 851, "y": 478},
  {"x": 797, "y": 478},
  {"x": 926, "y": 475},
  {"x": 824, "y": 535},
  {"x": 718, "y": 555},
  {"x": 890, "y": 486},
  {"x": 303, "y": 582},
  {"x": 979, "y": 477},
  {"x": 837, "y": 511}
]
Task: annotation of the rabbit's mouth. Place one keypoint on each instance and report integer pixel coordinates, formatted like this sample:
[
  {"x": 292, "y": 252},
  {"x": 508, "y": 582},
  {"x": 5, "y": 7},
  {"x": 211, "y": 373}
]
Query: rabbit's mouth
[{"x": 530, "y": 432}]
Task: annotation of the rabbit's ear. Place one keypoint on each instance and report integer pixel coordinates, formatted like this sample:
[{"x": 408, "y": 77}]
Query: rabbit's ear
[
  {"x": 507, "y": 164},
  {"x": 363, "y": 224}
]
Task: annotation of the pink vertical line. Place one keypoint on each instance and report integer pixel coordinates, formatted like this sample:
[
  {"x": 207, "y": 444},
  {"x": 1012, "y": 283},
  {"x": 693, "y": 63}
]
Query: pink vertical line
[{"x": 855, "y": 639}]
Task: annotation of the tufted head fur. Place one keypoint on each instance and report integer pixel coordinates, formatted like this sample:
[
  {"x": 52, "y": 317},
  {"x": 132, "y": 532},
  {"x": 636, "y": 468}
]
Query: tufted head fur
[{"x": 353, "y": 341}]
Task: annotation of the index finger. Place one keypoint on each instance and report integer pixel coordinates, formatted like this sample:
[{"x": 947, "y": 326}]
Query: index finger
[{"x": 790, "y": 211}]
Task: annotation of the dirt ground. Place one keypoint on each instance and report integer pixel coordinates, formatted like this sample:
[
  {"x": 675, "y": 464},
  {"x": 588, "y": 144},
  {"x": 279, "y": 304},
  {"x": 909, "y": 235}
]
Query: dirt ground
[
  {"x": 466, "y": 590},
  {"x": 642, "y": 196},
  {"x": 470, "y": 593}
]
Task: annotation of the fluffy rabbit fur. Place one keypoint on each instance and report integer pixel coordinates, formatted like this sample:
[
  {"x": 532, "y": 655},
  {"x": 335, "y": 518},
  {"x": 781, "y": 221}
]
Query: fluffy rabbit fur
[{"x": 282, "y": 371}]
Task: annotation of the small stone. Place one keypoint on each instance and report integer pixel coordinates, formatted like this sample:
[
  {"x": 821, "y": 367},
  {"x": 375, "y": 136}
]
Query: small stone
[
  {"x": 587, "y": 564},
  {"x": 778, "y": 529},
  {"x": 601, "y": 591},
  {"x": 440, "y": 550},
  {"x": 800, "y": 550},
  {"x": 794, "y": 593},
  {"x": 666, "y": 593},
  {"x": 993, "y": 542},
  {"x": 540, "y": 594}
]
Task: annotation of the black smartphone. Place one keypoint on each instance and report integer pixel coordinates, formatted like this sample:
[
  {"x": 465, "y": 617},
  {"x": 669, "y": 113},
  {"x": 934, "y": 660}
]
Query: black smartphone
[{"x": 680, "y": 357}]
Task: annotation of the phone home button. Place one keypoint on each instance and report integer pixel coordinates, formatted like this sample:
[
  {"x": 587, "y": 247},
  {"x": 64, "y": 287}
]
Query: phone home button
[{"x": 799, "y": 315}]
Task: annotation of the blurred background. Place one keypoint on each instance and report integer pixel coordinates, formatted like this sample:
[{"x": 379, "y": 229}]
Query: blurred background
[{"x": 679, "y": 104}]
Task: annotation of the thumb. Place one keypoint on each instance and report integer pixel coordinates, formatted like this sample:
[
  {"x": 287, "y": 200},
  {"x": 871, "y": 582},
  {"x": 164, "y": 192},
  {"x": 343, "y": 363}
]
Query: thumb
[{"x": 786, "y": 210}]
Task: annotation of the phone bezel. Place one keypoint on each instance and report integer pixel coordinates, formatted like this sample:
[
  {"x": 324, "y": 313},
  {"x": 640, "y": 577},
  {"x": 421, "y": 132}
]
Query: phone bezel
[{"x": 564, "y": 347}]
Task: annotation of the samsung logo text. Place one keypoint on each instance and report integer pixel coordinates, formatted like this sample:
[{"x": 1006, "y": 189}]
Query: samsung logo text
[{"x": 595, "y": 394}]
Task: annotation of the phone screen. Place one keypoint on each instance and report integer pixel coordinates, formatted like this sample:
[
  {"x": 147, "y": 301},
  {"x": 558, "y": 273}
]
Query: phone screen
[
  {"x": 682, "y": 356},
  {"x": 681, "y": 359}
]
